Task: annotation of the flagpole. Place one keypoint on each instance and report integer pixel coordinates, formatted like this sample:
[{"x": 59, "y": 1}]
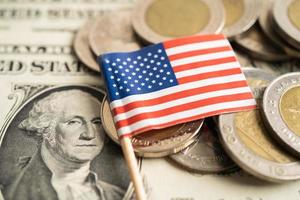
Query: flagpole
[{"x": 133, "y": 168}]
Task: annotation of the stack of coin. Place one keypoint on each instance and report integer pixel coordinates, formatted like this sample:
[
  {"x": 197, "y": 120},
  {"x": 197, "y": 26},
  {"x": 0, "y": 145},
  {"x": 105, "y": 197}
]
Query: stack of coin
[{"x": 267, "y": 147}]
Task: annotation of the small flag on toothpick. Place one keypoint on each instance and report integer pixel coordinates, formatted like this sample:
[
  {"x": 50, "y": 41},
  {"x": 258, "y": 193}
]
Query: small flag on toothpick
[{"x": 174, "y": 82}]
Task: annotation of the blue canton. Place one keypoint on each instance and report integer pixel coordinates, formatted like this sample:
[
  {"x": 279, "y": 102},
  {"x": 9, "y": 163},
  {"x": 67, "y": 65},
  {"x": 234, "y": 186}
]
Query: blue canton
[{"x": 139, "y": 72}]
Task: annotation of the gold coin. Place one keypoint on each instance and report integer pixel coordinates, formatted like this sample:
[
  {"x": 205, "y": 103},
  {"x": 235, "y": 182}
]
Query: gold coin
[
  {"x": 169, "y": 17},
  {"x": 234, "y": 10},
  {"x": 290, "y": 109},
  {"x": 250, "y": 128},
  {"x": 155, "y": 143},
  {"x": 294, "y": 13}
]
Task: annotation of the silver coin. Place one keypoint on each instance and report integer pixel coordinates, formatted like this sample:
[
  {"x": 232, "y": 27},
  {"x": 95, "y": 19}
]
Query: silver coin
[
  {"x": 82, "y": 48},
  {"x": 257, "y": 46},
  {"x": 112, "y": 31},
  {"x": 155, "y": 143},
  {"x": 157, "y": 21},
  {"x": 281, "y": 106},
  {"x": 240, "y": 16},
  {"x": 287, "y": 20},
  {"x": 205, "y": 155},
  {"x": 248, "y": 143},
  {"x": 265, "y": 21}
]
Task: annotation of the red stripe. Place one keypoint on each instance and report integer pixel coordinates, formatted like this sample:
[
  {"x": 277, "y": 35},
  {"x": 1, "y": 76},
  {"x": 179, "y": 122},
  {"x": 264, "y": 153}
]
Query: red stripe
[
  {"x": 178, "y": 95},
  {"x": 201, "y": 76},
  {"x": 206, "y": 63},
  {"x": 192, "y": 39},
  {"x": 199, "y": 52},
  {"x": 188, "y": 119},
  {"x": 184, "y": 107}
]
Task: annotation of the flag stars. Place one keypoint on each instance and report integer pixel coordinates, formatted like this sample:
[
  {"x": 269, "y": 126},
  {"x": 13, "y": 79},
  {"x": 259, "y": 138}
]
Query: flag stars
[
  {"x": 118, "y": 79},
  {"x": 140, "y": 76},
  {"x": 142, "y": 84},
  {"x": 125, "y": 82},
  {"x": 137, "y": 69},
  {"x": 165, "y": 65},
  {"x": 162, "y": 58},
  {"x": 157, "y": 76},
  {"x": 131, "y": 85},
  {"x": 123, "y": 74},
  {"x": 155, "y": 56},
  {"x": 160, "y": 83},
  {"x": 161, "y": 70},
  {"x": 139, "y": 57},
  {"x": 153, "y": 81},
  {"x": 145, "y": 59},
  {"x": 149, "y": 54},
  {"x": 133, "y": 73},
  {"x": 121, "y": 88},
  {"x": 124, "y": 63},
  {"x": 154, "y": 68},
  {"x": 113, "y": 64},
  {"x": 150, "y": 74},
  {"x": 139, "y": 89},
  {"x": 120, "y": 67},
  {"x": 147, "y": 79},
  {"x": 144, "y": 71},
  {"x": 159, "y": 51},
  {"x": 136, "y": 81},
  {"x": 158, "y": 63},
  {"x": 129, "y": 77},
  {"x": 142, "y": 64},
  {"x": 168, "y": 73},
  {"x": 148, "y": 66},
  {"x": 118, "y": 60},
  {"x": 128, "y": 59},
  {"x": 114, "y": 85},
  {"x": 117, "y": 93},
  {"x": 152, "y": 61},
  {"x": 130, "y": 66},
  {"x": 127, "y": 90},
  {"x": 149, "y": 86},
  {"x": 116, "y": 71},
  {"x": 164, "y": 78},
  {"x": 135, "y": 62},
  {"x": 110, "y": 69},
  {"x": 171, "y": 80},
  {"x": 112, "y": 77},
  {"x": 107, "y": 61}
]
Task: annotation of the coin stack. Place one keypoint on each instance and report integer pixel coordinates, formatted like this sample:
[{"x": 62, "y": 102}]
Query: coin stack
[{"x": 264, "y": 142}]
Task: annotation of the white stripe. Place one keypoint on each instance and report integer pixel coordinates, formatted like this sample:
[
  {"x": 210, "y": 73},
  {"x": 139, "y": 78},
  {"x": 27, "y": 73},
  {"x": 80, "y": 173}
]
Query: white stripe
[
  {"x": 197, "y": 46},
  {"x": 181, "y": 115},
  {"x": 178, "y": 88},
  {"x": 211, "y": 68},
  {"x": 205, "y": 57},
  {"x": 181, "y": 101}
]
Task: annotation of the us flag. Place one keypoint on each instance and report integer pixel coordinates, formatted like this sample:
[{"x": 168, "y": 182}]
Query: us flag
[{"x": 174, "y": 82}]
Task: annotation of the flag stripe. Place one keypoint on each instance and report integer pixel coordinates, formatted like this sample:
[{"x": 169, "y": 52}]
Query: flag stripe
[
  {"x": 192, "y": 39},
  {"x": 199, "y": 58},
  {"x": 179, "y": 108},
  {"x": 205, "y": 69},
  {"x": 204, "y": 64},
  {"x": 189, "y": 115},
  {"x": 139, "y": 107},
  {"x": 207, "y": 75},
  {"x": 196, "y": 46},
  {"x": 183, "y": 120},
  {"x": 178, "y": 88},
  {"x": 183, "y": 94}
]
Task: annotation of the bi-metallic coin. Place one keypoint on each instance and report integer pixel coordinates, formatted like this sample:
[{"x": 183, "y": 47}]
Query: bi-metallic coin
[
  {"x": 155, "y": 143},
  {"x": 281, "y": 106},
  {"x": 287, "y": 20},
  {"x": 248, "y": 143},
  {"x": 159, "y": 20},
  {"x": 240, "y": 16}
]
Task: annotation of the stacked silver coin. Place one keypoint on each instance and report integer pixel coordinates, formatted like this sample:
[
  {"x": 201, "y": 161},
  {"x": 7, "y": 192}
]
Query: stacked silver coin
[{"x": 264, "y": 142}]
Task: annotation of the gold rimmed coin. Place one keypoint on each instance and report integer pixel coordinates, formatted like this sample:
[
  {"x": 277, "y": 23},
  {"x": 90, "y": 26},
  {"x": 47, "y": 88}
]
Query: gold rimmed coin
[
  {"x": 205, "y": 155},
  {"x": 155, "y": 143},
  {"x": 159, "y": 20},
  {"x": 287, "y": 20},
  {"x": 82, "y": 48},
  {"x": 265, "y": 21},
  {"x": 240, "y": 16},
  {"x": 248, "y": 142},
  {"x": 113, "y": 32},
  {"x": 281, "y": 106}
]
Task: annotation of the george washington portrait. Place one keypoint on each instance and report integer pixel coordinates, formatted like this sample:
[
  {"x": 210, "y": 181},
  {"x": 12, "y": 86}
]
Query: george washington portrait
[{"x": 64, "y": 160}]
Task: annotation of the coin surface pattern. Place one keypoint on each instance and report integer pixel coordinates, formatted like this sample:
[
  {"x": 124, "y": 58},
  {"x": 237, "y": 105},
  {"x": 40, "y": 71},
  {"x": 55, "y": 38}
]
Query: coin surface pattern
[
  {"x": 248, "y": 143},
  {"x": 205, "y": 155},
  {"x": 159, "y": 20},
  {"x": 112, "y": 31},
  {"x": 290, "y": 109},
  {"x": 240, "y": 16},
  {"x": 281, "y": 110},
  {"x": 155, "y": 143},
  {"x": 82, "y": 48}
]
